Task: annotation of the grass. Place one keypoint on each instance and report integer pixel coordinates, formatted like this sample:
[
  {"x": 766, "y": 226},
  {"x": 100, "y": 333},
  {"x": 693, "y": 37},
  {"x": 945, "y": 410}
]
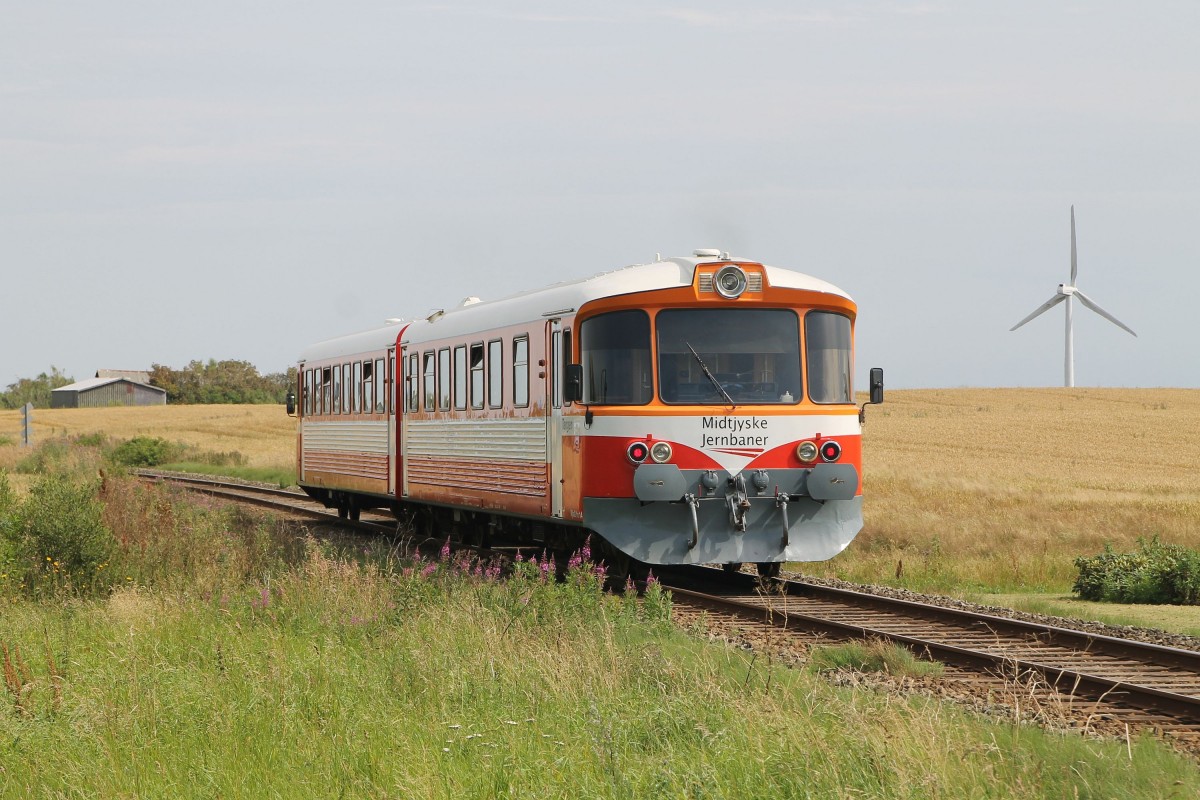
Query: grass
[
  {"x": 871, "y": 656},
  {"x": 235, "y": 656},
  {"x": 281, "y": 476},
  {"x": 1179, "y": 619}
]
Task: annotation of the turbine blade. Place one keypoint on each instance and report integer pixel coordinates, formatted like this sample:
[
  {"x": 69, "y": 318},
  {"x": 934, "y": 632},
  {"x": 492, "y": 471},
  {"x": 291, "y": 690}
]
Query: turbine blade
[
  {"x": 1046, "y": 306},
  {"x": 1087, "y": 301},
  {"x": 1074, "y": 258}
]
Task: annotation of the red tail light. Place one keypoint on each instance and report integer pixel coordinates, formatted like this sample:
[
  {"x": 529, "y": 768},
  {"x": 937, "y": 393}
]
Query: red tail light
[
  {"x": 637, "y": 452},
  {"x": 831, "y": 451}
]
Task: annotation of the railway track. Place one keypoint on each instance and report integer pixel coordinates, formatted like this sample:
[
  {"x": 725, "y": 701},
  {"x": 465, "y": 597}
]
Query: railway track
[
  {"x": 1101, "y": 678},
  {"x": 1094, "y": 681},
  {"x": 281, "y": 500}
]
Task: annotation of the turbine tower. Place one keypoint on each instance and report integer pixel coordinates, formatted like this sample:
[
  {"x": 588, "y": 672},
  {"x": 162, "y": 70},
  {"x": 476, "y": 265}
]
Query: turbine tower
[{"x": 1068, "y": 292}]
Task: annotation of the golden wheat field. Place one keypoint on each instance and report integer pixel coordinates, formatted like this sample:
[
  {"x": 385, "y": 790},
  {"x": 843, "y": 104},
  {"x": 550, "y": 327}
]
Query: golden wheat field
[
  {"x": 1008, "y": 485},
  {"x": 989, "y": 488},
  {"x": 264, "y": 434}
]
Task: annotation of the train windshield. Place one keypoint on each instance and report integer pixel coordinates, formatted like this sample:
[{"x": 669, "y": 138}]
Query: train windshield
[{"x": 729, "y": 355}]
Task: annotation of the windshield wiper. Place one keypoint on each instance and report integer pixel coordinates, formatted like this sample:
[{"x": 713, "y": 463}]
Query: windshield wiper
[{"x": 710, "y": 376}]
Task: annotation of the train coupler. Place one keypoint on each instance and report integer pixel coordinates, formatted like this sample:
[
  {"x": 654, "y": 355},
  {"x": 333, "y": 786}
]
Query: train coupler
[{"x": 738, "y": 503}]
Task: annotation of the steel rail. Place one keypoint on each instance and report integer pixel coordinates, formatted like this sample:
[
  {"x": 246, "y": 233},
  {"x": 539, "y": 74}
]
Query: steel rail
[
  {"x": 268, "y": 497},
  {"x": 1147, "y": 676}
]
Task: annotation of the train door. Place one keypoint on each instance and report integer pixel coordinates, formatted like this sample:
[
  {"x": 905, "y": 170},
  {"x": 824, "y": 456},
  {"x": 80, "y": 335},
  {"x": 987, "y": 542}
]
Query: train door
[
  {"x": 554, "y": 416},
  {"x": 392, "y": 410},
  {"x": 410, "y": 365}
]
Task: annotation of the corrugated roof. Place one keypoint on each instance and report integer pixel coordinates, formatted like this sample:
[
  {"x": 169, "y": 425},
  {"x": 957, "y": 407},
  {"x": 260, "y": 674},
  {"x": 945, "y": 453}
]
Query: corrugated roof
[
  {"x": 135, "y": 375},
  {"x": 92, "y": 383}
]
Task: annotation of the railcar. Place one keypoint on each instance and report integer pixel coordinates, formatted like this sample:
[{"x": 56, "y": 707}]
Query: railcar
[{"x": 690, "y": 410}]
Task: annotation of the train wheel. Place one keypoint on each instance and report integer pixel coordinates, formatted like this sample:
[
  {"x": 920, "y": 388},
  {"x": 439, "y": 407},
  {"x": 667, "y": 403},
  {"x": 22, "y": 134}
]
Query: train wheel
[
  {"x": 424, "y": 523},
  {"x": 618, "y": 571},
  {"x": 769, "y": 569},
  {"x": 353, "y": 512},
  {"x": 732, "y": 567}
]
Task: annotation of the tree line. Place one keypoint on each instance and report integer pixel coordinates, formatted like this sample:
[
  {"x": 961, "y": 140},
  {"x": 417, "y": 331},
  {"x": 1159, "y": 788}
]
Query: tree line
[{"x": 200, "y": 382}]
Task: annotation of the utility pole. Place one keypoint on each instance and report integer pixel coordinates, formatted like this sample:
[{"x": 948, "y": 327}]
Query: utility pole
[{"x": 27, "y": 425}]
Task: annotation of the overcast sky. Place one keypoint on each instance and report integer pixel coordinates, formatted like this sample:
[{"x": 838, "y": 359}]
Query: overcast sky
[{"x": 237, "y": 180}]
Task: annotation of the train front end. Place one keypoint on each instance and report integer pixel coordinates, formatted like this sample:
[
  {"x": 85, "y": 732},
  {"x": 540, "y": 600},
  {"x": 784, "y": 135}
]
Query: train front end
[{"x": 719, "y": 422}]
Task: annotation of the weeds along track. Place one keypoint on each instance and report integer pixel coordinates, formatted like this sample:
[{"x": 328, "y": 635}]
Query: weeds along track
[
  {"x": 1066, "y": 677},
  {"x": 1034, "y": 672}
]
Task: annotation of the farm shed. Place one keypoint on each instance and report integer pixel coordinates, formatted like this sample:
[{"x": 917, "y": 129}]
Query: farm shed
[{"x": 101, "y": 392}]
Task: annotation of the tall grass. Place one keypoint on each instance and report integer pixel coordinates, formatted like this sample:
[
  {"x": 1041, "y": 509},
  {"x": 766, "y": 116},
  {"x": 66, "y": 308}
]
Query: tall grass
[{"x": 238, "y": 657}]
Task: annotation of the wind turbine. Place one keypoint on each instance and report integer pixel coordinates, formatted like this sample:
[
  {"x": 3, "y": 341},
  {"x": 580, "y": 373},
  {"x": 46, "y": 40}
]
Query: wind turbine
[{"x": 1067, "y": 292}]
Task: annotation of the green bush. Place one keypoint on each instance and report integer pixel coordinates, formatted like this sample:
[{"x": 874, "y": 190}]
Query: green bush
[
  {"x": 1155, "y": 573},
  {"x": 145, "y": 451},
  {"x": 56, "y": 537},
  {"x": 96, "y": 439}
]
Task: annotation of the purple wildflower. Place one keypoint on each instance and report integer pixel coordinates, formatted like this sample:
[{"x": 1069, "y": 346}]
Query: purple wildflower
[
  {"x": 445, "y": 553},
  {"x": 263, "y": 600}
]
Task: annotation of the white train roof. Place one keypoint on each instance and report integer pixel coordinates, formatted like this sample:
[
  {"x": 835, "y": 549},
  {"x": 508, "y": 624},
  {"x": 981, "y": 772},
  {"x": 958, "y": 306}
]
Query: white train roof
[
  {"x": 564, "y": 298},
  {"x": 371, "y": 341}
]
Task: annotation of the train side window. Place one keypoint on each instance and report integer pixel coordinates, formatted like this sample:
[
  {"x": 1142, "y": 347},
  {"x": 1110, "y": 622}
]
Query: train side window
[
  {"x": 347, "y": 388},
  {"x": 368, "y": 392},
  {"x": 356, "y": 387},
  {"x": 443, "y": 379},
  {"x": 411, "y": 379},
  {"x": 495, "y": 373},
  {"x": 430, "y": 389},
  {"x": 615, "y": 353},
  {"x": 829, "y": 351},
  {"x": 308, "y": 396},
  {"x": 380, "y": 387},
  {"x": 336, "y": 408},
  {"x": 477, "y": 375},
  {"x": 460, "y": 377},
  {"x": 325, "y": 399},
  {"x": 521, "y": 371}
]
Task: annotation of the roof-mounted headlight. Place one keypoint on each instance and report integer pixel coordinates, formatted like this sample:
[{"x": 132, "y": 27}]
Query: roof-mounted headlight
[{"x": 730, "y": 282}]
